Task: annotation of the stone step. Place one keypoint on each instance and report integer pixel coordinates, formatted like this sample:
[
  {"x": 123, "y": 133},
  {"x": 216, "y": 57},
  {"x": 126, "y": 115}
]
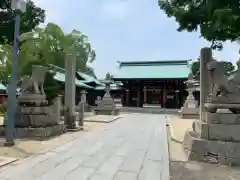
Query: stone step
[{"x": 217, "y": 132}]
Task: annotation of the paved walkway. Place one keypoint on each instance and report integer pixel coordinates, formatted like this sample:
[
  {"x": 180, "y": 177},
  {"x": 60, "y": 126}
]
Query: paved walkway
[{"x": 132, "y": 148}]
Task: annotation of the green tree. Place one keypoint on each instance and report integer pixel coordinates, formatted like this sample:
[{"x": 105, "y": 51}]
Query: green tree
[
  {"x": 238, "y": 63},
  {"x": 29, "y": 20},
  {"x": 217, "y": 21},
  {"x": 228, "y": 67},
  {"x": 49, "y": 46},
  {"x": 195, "y": 68}
]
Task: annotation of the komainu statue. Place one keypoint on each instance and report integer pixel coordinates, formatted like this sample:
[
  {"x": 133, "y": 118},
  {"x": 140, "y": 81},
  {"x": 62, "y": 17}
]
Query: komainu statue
[
  {"x": 32, "y": 87},
  {"x": 224, "y": 90}
]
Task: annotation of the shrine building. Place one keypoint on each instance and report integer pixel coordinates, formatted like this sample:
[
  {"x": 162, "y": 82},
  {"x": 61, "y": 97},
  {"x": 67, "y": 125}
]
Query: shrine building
[{"x": 153, "y": 83}]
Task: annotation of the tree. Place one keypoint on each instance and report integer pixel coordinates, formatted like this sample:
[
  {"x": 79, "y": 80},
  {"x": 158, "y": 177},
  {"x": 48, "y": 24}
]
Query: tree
[
  {"x": 195, "y": 68},
  {"x": 217, "y": 21},
  {"x": 49, "y": 46},
  {"x": 29, "y": 20},
  {"x": 238, "y": 63},
  {"x": 228, "y": 67}
]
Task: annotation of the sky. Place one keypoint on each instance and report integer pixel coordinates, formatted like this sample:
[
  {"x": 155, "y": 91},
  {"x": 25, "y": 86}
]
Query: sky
[{"x": 128, "y": 30}]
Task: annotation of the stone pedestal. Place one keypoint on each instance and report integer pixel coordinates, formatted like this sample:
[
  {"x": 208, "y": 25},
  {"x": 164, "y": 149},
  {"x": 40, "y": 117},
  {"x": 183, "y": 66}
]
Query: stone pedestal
[
  {"x": 35, "y": 117},
  {"x": 217, "y": 140}
]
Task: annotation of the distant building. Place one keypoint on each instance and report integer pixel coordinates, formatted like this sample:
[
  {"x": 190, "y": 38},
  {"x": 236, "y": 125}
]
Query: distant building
[{"x": 158, "y": 83}]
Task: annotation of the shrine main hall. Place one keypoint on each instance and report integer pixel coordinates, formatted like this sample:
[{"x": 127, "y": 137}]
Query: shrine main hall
[{"x": 153, "y": 83}]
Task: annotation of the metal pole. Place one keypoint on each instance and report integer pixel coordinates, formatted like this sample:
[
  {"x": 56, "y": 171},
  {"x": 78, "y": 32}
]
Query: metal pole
[{"x": 12, "y": 100}]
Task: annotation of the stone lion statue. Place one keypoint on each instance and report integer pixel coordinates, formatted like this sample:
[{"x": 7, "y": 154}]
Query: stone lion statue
[
  {"x": 34, "y": 83},
  {"x": 223, "y": 88}
]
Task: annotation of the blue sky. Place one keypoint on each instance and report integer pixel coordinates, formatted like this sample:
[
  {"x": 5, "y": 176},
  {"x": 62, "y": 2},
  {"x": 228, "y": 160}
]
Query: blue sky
[{"x": 128, "y": 30}]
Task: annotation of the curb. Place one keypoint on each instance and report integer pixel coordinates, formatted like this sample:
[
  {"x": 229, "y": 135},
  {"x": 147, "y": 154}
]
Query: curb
[
  {"x": 6, "y": 161},
  {"x": 168, "y": 129}
]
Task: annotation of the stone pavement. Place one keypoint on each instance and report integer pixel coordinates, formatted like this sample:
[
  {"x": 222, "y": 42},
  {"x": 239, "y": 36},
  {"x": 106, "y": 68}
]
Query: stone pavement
[
  {"x": 103, "y": 118},
  {"x": 25, "y": 147},
  {"x": 132, "y": 148}
]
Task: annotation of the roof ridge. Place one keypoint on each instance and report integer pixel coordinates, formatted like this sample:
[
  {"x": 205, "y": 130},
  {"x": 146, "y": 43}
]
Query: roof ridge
[{"x": 169, "y": 62}]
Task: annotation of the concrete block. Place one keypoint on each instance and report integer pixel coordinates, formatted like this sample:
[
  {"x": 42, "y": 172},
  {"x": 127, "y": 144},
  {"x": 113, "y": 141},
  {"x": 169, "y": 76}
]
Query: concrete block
[
  {"x": 218, "y": 152},
  {"x": 190, "y": 113},
  {"x": 216, "y": 132},
  {"x": 222, "y": 118},
  {"x": 201, "y": 129}
]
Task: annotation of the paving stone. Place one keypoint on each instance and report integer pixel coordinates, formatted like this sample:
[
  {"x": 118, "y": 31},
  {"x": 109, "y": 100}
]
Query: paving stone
[
  {"x": 122, "y": 175},
  {"x": 151, "y": 170},
  {"x": 134, "y": 146},
  {"x": 133, "y": 162},
  {"x": 109, "y": 169},
  {"x": 80, "y": 173},
  {"x": 63, "y": 169}
]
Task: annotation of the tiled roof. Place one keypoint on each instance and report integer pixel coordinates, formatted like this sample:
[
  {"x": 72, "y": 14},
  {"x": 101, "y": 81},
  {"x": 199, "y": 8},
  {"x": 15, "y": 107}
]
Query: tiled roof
[
  {"x": 153, "y": 70},
  {"x": 61, "y": 77}
]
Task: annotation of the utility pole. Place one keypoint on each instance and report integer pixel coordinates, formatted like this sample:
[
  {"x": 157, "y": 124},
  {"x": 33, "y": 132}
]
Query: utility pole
[{"x": 18, "y": 6}]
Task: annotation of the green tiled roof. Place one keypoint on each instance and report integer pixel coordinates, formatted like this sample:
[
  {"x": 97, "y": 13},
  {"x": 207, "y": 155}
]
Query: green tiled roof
[
  {"x": 88, "y": 79},
  {"x": 61, "y": 77},
  {"x": 153, "y": 70}
]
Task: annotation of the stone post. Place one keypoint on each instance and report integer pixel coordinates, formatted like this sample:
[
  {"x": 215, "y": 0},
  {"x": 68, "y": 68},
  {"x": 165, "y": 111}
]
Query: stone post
[
  {"x": 83, "y": 96},
  {"x": 70, "y": 91},
  {"x": 205, "y": 57},
  {"x": 82, "y": 108},
  {"x": 81, "y": 114},
  {"x": 57, "y": 107},
  {"x": 97, "y": 101}
]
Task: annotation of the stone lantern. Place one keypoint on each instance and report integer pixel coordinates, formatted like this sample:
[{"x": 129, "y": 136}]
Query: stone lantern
[
  {"x": 106, "y": 106},
  {"x": 190, "y": 108}
]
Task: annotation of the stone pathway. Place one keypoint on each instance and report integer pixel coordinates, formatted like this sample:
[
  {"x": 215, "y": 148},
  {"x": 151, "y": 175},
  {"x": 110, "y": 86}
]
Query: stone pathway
[
  {"x": 132, "y": 148},
  {"x": 103, "y": 118}
]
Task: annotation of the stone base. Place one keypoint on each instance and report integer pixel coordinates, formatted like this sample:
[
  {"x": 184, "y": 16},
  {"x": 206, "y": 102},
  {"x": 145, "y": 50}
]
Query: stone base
[
  {"x": 190, "y": 113},
  {"x": 224, "y": 117},
  {"x": 113, "y": 112},
  {"x": 39, "y": 132},
  {"x": 80, "y": 128},
  {"x": 218, "y": 152},
  {"x": 222, "y": 132},
  {"x": 213, "y": 107}
]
